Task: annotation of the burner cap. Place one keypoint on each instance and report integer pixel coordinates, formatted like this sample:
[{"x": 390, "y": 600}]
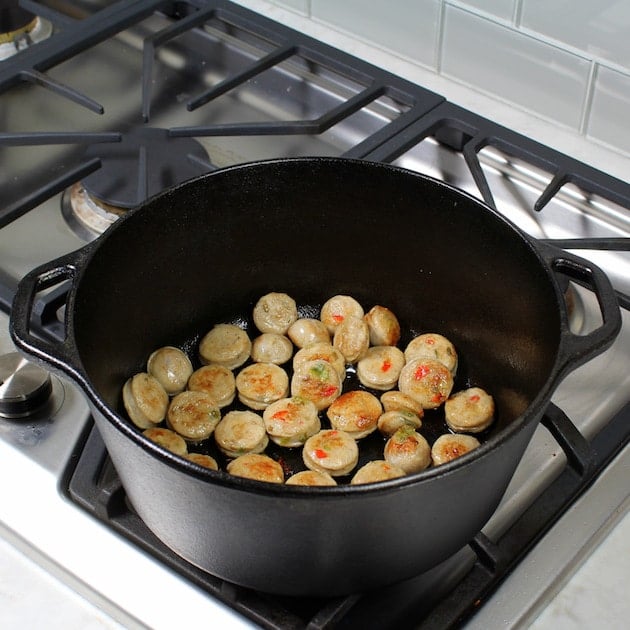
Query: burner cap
[
  {"x": 13, "y": 19},
  {"x": 146, "y": 161},
  {"x": 24, "y": 386},
  {"x": 85, "y": 216},
  {"x": 20, "y": 30}
]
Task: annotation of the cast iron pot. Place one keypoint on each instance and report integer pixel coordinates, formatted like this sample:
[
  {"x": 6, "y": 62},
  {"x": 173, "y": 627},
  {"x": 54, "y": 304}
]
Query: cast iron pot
[{"x": 205, "y": 251}]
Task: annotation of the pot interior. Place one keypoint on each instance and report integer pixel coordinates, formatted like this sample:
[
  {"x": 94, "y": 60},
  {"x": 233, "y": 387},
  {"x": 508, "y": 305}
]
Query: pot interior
[{"x": 204, "y": 252}]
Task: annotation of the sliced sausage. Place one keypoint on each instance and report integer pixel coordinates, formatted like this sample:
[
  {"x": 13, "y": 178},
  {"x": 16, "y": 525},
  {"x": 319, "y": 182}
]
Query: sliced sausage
[
  {"x": 324, "y": 351},
  {"x": 257, "y": 466},
  {"x": 274, "y": 313},
  {"x": 306, "y": 331},
  {"x": 291, "y": 421},
  {"x": 272, "y": 348},
  {"x": 433, "y": 346},
  {"x": 427, "y": 381},
  {"x": 376, "y": 470},
  {"x": 469, "y": 411},
  {"x": 311, "y": 478},
  {"x": 395, "y": 400},
  {"x": 355, "y": 412},
  {"x": 408, "y": 450},
  {"x": 317, "y": 381},
  {"x": 216, "y": 380},
  {"x": 167, "y": 439},
  {"x": 260, "y": 384},
  {"x": 145, "y": 400},
  {"x": 352, "y": 338},
  {"x": 330, "y": 451},
  {"x": 383, "y": 325},
  {"x": 390, "y": 421},
  {"x": 193, "y": 415},
  {"x": 171, "y": 367},
  {"x": 241, "y": 432},
  {"x": 380, "y": 367},
  {"x": 207, "y": 461},
  {"x": 336, "y": 309},
  {"x": 225, "y": 344},
  {"x": 450, "y": 446}
]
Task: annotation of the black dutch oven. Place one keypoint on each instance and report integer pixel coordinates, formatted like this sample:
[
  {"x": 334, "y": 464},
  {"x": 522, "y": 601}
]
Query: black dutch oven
[{"x": 205, "y": 251}]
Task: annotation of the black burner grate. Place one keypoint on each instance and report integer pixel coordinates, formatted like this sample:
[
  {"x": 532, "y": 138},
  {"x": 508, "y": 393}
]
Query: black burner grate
[
  {"x": 469, "y": 133},
  {"x": 74, "y": 36},
  {"x": 442, "y": 598}
]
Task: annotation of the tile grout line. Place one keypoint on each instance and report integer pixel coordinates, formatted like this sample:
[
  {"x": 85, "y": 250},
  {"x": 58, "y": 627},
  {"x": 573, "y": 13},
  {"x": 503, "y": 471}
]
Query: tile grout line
[
  {"x": 439, "y": 40},
  {"x": 589, "y": 94},
  {"x": 517, "y": 15}
]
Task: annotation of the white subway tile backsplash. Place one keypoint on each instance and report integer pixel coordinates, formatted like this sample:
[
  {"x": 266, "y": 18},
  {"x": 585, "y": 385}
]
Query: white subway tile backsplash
[
  {"x": 599, "y": 28},
  {"x": 297, "y": 5},
  {"x": 608, "y": 121},
  {"x": 566, "y": 60},
  {"x": 514, "y": 66},
  {"x": 406, "y": 27},
  {"x": 503, "y": 9}
]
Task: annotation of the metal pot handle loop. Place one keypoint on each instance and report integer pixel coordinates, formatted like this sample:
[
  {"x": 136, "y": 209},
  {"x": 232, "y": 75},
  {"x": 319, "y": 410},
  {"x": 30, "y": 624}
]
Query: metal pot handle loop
[
  {"x": 60, "y": 354},
  {"x": 578, "y": 349}
]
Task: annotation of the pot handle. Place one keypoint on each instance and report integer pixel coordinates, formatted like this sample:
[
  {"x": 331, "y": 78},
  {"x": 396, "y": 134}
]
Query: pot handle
[
  {"x": 62, "y": 355},
  {"x": 578, "y": 349}
]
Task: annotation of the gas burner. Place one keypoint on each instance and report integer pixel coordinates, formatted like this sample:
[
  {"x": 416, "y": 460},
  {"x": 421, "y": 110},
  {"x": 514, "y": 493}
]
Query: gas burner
[
  {"x": 144, "y": 162},
  {"x": 86, "y": 216},
  {"x": 23, "y": 30}
]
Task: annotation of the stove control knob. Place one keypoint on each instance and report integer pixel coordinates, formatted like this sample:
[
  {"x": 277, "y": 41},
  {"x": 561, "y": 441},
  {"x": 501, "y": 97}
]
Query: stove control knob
[{"x": 24, "y": 387}]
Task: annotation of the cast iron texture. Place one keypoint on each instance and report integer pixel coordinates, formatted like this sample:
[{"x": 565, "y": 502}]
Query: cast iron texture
[{"x": 204, "y": 252}]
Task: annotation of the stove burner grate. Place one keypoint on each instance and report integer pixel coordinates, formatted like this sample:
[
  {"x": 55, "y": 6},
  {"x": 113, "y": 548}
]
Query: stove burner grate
[
  {"x": 444, "y": 597},
  {"x": 75, "y": 36},
  {"x": 146, "y": 161}
]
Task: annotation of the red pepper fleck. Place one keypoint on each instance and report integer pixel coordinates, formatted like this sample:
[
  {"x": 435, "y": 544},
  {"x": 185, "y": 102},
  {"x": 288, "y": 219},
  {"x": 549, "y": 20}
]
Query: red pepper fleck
[
  {"x": 474, "y": 398},
  {"x": 320, "y": 453},
  {"x": 282, "y": 414},
  {"x": 338, "y": 318},
  {"x": 387, "y": 364},
  {"x": 421, "y": 372},
  {"x": 437, "y": 398},
  {"x": 429, "y": 340},
  {"x": 329, "y": 391}
]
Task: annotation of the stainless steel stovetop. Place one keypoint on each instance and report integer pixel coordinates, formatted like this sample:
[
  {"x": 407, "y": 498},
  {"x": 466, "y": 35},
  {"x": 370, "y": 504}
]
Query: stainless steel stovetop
[{"x": 98, "y": 95}]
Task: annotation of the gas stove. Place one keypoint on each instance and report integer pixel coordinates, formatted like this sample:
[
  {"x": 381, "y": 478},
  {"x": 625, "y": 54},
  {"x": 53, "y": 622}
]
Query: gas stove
[{"x": 105, "y": 104}]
